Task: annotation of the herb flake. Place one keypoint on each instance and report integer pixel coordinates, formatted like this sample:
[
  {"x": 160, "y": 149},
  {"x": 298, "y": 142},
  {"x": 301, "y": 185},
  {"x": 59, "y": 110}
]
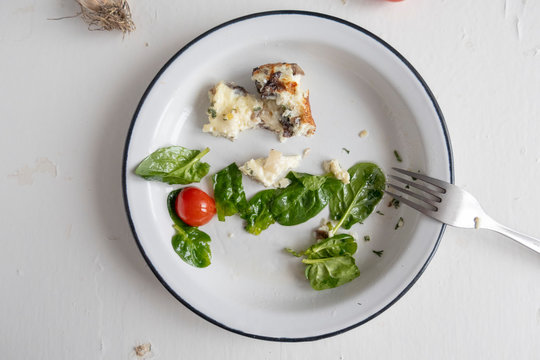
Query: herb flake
[
  {"x": 212, "y": 112},
  {"x": 398, "y": 157},
  {"x": 399, "y": 223},
  {"x": 394, "y": 203},
  {"x": 346, "y": 150},
  {"x": 378, "y": 212},
  {"x": 367, "y": 238},
  {"x": 378, "y": 252}
]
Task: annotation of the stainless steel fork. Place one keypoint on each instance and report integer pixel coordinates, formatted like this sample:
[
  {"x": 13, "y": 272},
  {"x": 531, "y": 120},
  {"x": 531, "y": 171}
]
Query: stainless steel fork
[{"x": 451, "y": 205}]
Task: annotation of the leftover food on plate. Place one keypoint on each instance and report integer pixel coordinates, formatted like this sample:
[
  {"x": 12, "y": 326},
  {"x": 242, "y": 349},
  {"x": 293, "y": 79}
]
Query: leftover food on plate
[
  {"x": 293, "y": 197},
  {"x": 231, "y": 110},
  {"x": 271, "y": 171},
  {"x": 283, "y": 106},
  {"x": 286, "y": 109}
]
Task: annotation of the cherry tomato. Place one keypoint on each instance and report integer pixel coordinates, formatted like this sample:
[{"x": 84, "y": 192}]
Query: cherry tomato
[{"x": 194, "y": 206}]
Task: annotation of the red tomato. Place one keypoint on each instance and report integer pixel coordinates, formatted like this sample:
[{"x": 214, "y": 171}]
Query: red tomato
[{"x": 194, "y": 206}]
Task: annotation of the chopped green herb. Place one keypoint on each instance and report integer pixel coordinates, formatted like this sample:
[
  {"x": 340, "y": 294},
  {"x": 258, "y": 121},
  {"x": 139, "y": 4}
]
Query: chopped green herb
[
  {"x": 378, "y": 212},
  {"x": 283, "y": 108},
  {"x": 258, "y": 108},
  {"x": 367, "y": 238},
  {"x": 212, "y": 112},
  {"x": 398, "y": 157},
  {"x": 394, "y": 203},
  {"x": 378, "y": 253},
  {"x": 399, "y": 223},
  {"x": 346, "y": 150}
]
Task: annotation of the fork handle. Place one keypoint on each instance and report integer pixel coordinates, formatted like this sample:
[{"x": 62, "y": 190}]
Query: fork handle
[{"x": 525, "y": 240}]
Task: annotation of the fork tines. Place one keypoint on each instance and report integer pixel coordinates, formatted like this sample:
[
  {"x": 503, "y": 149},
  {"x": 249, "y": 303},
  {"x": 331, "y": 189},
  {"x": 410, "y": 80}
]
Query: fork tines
[{"x": 429, "y": 196}]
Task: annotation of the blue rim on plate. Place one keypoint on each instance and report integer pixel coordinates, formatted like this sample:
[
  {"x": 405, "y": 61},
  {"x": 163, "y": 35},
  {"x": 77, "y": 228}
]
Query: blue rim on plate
[{"x": 225, "y": 24}]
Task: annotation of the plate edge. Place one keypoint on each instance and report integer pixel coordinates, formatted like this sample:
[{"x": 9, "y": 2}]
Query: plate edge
[{"x": 182, "y": 50}]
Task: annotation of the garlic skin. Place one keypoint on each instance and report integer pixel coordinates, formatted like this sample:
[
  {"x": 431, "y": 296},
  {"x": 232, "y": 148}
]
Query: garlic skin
[{"x": 107, "y": 15}]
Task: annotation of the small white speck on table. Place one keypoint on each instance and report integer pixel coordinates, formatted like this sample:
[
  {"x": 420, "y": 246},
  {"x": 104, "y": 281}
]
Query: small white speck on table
[{"x": 74, "y": 284}]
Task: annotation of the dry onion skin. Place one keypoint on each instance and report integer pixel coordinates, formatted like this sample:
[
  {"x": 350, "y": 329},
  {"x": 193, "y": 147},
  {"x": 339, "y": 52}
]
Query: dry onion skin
[{"x": 107, "y": 15}]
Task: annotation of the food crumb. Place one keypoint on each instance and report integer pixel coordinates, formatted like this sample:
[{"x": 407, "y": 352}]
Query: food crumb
[
  {"x": 477, "y": 222},
  {"x": 146, "y": 44},
  {"x": 143, "y": 349},
  {"x": 231, "y": 235},
  {"x": 363, "y": 133},
  {"x": 306, "y": 152}
]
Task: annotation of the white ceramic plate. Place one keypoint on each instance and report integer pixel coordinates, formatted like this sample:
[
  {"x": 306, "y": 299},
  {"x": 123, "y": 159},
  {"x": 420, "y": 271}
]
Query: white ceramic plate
[{"x": 356, "y": 82}]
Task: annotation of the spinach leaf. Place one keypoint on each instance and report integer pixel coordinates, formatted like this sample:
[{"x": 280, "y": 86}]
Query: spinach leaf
[
  {"x": 190, "y": 243},
  {"x": 304, "y": 198},
  {"x": 174, "y": 165},
  {"x": 229, "y": 192},
  {"x": 257, "y": 215},
  {"x": 310, "y": 182},
  {"x": 338, "y": 245},
  {"x": 356, "y": 200},
  {"x": 330, "y": 262},
  {"x": 331, "y": 272}
]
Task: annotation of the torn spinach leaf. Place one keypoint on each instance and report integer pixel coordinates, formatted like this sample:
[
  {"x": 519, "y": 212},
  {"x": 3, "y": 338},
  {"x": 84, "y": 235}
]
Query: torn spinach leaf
[
  {"x": 174, "y": 165},
  {"x": 310, "y": 182},
  {"x": 330, "y": 262},
  {"x": 355, "y": 201},
  {"x": 229, "y": 192},
  {"x": 328, "y": 273},
  {"x": 338, "y": 245},
  {"x": 190, "y": 243},
  {"x": 304, "y": 198},
  {"x": 257, "y": 214}
]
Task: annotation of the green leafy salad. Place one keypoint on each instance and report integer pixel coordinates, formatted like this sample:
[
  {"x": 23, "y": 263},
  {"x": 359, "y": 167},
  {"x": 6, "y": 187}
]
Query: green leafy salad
[{"x": 329, "y": 262}]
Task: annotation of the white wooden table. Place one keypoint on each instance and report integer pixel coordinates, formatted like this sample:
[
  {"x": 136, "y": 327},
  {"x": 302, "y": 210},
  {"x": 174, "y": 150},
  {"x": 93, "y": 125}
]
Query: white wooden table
[{"x": 73, "y": 283}]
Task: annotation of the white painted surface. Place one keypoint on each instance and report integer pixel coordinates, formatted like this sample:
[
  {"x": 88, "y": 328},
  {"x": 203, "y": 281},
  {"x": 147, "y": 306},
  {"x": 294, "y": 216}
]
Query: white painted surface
[{"x": 74, "y": 285}]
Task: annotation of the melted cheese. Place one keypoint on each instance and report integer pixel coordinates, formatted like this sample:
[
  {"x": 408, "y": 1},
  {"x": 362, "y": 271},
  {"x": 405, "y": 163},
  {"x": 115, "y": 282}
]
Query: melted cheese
[
  {"x": 270, "y": 171},
  {"x": 231, "y": 111},
  {"x": 333, "y": 167},
  {"x": 288, "y": 102}
]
